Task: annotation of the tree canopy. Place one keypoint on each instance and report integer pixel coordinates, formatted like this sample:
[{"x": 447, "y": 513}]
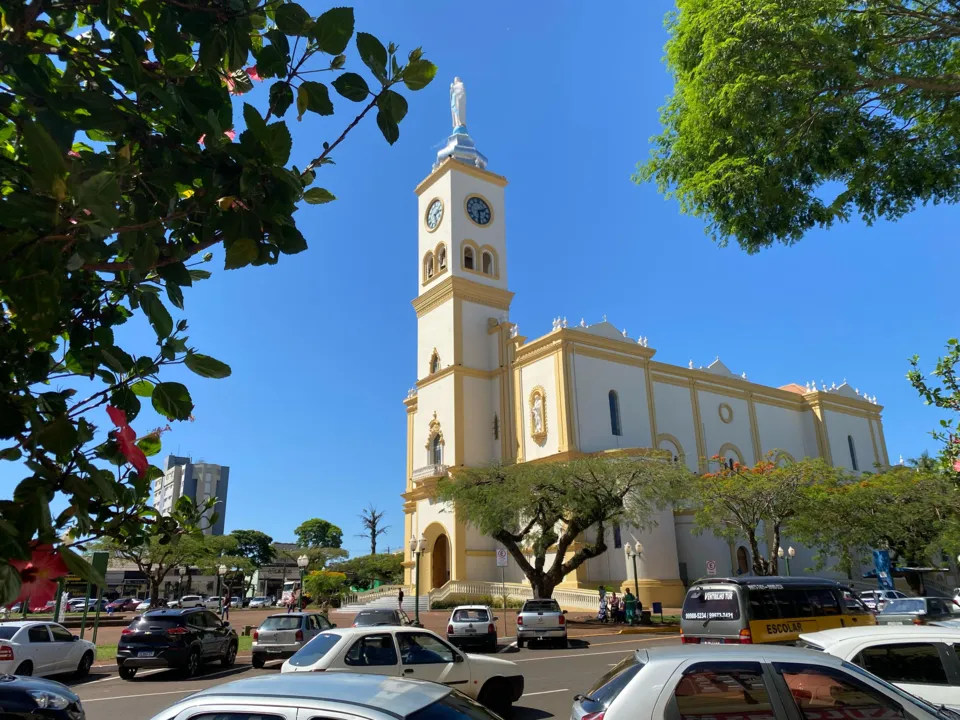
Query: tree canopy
[
  {"x": 254, "y": 545},
  {"x": 791, "y": 115},
  {"x": 942, "y": 390},
  {"x": 365, "y": 569},
  {"x": 317, "y": 533},
  {"x": 125, "y": 160},
  {"x": 540, "y": 509}
]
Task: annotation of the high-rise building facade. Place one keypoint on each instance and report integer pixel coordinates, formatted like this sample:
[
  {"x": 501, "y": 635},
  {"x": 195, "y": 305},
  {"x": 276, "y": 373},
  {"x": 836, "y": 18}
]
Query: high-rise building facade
[{"x": 198, "y": 481}]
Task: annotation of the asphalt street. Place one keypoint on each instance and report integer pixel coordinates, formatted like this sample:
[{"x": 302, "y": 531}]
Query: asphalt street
[{"x": 552, "y": 678}]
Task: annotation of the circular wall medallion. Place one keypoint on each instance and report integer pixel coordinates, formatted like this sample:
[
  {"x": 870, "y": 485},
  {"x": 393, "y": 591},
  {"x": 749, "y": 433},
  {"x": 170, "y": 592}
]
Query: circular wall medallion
[
  {"x": 726, "y": 413},
  {"x": 434, "y": 214}
]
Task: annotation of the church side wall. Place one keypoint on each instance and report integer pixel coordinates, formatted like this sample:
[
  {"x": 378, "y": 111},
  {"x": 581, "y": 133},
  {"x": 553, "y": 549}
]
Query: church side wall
[
  {"x": 594, "y": 379},
  {"x": 540, "y": 372},
  {"x": 839, "y": 426},
  {"x": 476, "y": 341},
  {"x": 718, "y": 433},
  {"x": 437, "y": 397},
  {"x": 435, "y": 331},
  {"x": 480, "y": 402},
  {"x": 675, "y": 418},
  {"x": 783, "y": 429}
]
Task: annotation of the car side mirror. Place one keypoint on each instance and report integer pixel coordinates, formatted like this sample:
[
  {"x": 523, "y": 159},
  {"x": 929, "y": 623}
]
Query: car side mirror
[
  {"x": 333, "y": 625},
  {"x": 457, "y": 658},
  {"x": 74, "y": 638},
  {"x": 563, "y": 612}
]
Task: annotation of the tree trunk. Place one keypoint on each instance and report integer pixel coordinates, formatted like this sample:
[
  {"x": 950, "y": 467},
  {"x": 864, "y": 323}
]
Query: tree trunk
[
  {"x": 373, "y": 542},
  {"x": 154, "y": 592},
  {"x": 758, "y": 564},
  {"x": 542, "y": 587}
]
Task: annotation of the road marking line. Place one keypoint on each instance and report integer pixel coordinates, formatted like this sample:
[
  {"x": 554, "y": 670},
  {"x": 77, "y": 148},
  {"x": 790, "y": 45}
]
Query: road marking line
[
  {"x": 507, "y": 647},
  {"x": 117, "y": 677},
  {"x": 576, "y": 655},
  {"x": 128, "y": 697},
  {"x": 545, "y": 692}
]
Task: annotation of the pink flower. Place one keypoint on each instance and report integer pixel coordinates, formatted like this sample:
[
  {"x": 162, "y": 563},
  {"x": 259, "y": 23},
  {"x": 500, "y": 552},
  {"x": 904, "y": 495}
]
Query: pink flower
[
  {"x": 38, "y": 574},
  {"x": 202, "y": 138},
  {"x": 252, "y": 72},
  {"x": 127, "y": 440},
  {"x": 230, "y": 134},
  {"x": 73, "y": 153},
  {"x": 956, "y": 466}
]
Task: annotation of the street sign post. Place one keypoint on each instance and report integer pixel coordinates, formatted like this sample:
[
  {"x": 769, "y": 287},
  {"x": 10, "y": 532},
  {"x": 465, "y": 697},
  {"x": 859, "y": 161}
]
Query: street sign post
[
  {"x": 711, "y": 567},
  {"x": 503, "y": 560}
]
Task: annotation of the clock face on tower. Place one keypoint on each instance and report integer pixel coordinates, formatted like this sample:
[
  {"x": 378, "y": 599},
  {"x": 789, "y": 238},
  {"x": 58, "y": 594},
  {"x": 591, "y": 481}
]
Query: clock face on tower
[
  {"x": 478, "y": 210},
  {"x": 434, "y": 214}
]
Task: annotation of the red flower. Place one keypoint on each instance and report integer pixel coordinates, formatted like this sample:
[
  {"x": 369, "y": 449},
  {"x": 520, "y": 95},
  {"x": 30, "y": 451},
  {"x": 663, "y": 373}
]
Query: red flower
[
  {"x": 127, "y": 440},
  {"x": 956, "y": 466},
  {"x": 252, "y": 72},
  {"x": 38, "y": 574}
]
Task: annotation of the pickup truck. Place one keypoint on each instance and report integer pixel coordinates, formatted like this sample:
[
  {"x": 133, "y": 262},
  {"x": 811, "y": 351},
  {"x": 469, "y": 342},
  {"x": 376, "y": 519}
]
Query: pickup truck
[{"x": 541, "y": 620}]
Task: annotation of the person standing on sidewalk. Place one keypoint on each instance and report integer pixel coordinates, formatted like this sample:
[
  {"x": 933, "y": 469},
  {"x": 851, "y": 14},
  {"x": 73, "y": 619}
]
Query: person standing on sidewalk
[
  {"x": 400, "y": 599},
  {"x": 225, "y": 613}
]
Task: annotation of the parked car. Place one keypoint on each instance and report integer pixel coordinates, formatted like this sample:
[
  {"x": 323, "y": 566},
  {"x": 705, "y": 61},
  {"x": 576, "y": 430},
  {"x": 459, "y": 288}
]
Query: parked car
[
  {"x": 472, "y": 626},
  {"x": 745, "y": 681},
  {"x": 541, "y": 620},
  {"x": 187, "y": 601},
  {"x": 362, "y": 697},
  {"x": 212, "y": 603},
  {"x": 123, "y": 605},
  {"x": 920, "y": 660},
  {"x": 182, "y": 639},
  {"x": 876, "y": 599},
  {"x": 43, "y": 648},
  {"x": 413, "y": 653},
  {"x": 379, "y": 616},
  {"x": 915, "y": 611},
  {"x": 27, "y": 697},
  {"x": 260, "y": 602},
  {"x": 235, "y": 602},
  {"x": 280, "y": 636},
  {"x": 143, "y": 605}
]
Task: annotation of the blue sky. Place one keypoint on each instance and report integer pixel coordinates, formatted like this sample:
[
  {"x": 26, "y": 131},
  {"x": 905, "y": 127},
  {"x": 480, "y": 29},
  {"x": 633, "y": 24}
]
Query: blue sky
[{"x": 562, "y": 98}]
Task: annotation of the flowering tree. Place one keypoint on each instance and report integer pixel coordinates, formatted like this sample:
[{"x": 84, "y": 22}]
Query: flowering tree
[
  {"x": 122, "y": 166},
  {"x": 944, "y": 394}
]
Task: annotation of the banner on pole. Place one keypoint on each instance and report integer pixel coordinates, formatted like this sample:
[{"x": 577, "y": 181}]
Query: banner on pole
[{"x": 881, "y": 561}]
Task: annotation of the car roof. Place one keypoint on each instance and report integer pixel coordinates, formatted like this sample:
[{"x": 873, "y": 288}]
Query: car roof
[
  {"x": 770, "y": 580},
  {"x": 826, "y": 638},
  {"x": 27, "y": 623},
  {"x": 397, "y": 696},
  {"x": 471, "y": 607},
  {"x": 173, "y": 612},
  {"x": 770, "y": 652}
]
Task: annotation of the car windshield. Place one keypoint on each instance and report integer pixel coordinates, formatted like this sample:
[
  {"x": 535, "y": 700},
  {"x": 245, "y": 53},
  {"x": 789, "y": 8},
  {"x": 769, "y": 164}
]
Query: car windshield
[
  {"x": 7, "y": 633},
  {"x": 719, "y": 604},
  {"x": 911, "y": 605},
  {"x": 454, "y": 706},
  {"x": 281, "y": 622},
  {"x": 541, "y": 606},
  {"x": 471, "y": 615},
  {"x": 315, "y": 649},
  {"x": 146, "y": 622},
  {"x": 375, "y": 617}
]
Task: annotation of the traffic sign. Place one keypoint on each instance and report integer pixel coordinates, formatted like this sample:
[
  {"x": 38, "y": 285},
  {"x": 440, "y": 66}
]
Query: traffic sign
[
  {"x": 711, "y": 567},
  {"x": 502, "y": 559}
]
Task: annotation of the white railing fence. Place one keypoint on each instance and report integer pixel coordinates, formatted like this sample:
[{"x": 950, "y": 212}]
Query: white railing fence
[
  {"x": 375, "y": 594},
  {"x": 569, "y": 599}
]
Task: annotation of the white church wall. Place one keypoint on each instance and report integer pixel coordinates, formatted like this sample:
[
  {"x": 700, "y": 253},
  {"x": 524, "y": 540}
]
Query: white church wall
[
  {"x": 437, "y": 397},
  {"x": 496, "y": 449},
  {"x": 659, "y": 559},
  {"x": 492, "y": 234},
  {"x": 479, "y": 405},
  {"x": 476, "y": 340},
  {"x": 594, "y": 379},
  {"x": 718, "y": 433},
  {"x": 810, "y": 434},
  {"x": 675, "y": 417},
  {"x": 782, "y": 429},
  {"x": 435, "y": 331},
  {"x": 694, "y": 551},
  {"x": 429, "y": 512},
  {"x": 839, "y": 426},
  {"x": 478, "y": 541},
  {"x": 542, "y": 373}
]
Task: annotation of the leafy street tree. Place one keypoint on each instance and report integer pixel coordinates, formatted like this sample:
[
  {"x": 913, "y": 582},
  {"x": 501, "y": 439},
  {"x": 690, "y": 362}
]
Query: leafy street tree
[
  {"x": 317, "y": 533},
  {"x": 365, "y": 569},
  {"x": 786, "y": 116},
  {"x": 539, "y": 509},
  {"x": 256, "y": 548},
  {"x": 371, "y": 519},
  {"x": 121, "y": 171},
  {"x": 943, "y": 392},
  {"x": 742, "y": 502},
  {"x": 324, "y": 586}
]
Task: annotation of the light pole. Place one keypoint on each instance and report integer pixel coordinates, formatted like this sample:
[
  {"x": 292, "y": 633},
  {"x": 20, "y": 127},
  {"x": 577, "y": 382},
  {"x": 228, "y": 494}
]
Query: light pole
[
  {"x": 302, "y": 563},
  {"x": 180, "y": 572},
  {"x": 221, "y": 571},
  {"x": 416, "y": 549},
  {"x": 786, "y": 556},
  {"x": 632, "y": 554}
]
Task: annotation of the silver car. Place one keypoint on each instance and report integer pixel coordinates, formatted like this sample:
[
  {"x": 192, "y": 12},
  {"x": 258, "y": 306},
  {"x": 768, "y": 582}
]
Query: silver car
[
  {"x": 541, "y": 620},
  {"x": 751, "y": 682},
  {"x": 472, "y": 626},
  {"x": 280, "y": 636},
  {"x": 343, "y": 695}
]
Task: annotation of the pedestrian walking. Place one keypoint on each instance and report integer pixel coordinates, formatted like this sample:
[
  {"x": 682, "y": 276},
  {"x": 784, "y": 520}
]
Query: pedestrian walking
[
  {"x": 614, "y": 603},
  {"x": 225, "y": 613},
  {"x": 631, "y": 607},
  {"x": 602, "y": 611},
  {"x": 622, "y": 610},
  {"x": 400, "y": 598}
]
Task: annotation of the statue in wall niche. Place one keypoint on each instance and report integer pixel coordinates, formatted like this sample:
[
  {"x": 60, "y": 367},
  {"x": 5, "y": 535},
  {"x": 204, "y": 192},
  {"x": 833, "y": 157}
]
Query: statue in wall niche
[{"x": 538, "y": 415}]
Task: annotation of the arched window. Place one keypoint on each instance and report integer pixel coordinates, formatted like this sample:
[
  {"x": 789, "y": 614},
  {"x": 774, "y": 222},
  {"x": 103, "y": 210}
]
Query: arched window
[
  {"x": 614, "y": 413},
  {"x": 428, "y": 266},
  {"x": 442, "y": 257},
  {"x": 487, "y": 264},
  {"x": 853, "y": 453},
  {"x": 436, "y": 451},
  {"x": 468, "y": 258}
]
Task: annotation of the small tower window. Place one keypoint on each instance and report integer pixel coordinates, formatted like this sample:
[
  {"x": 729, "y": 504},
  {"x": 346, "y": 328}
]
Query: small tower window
[
  {"x": 468, "y": 258},
  {"x": 487, "y": 264},
  {"x": 428, "y": 266},
  {"x": 436, "y": 451},
  {"x": 442, "y": 257},
  {"x": 853, "y": 453},
  {"x": 614, "y": 413}
]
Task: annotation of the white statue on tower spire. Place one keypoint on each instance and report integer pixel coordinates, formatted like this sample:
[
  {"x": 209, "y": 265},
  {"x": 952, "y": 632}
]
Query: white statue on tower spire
[{"x": 458, "y": 104}]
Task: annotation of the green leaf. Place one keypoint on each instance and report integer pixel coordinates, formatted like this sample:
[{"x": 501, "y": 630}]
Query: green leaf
[
  {"x": 418, "y": 74},
  {"x": 175, "y": 272},
  {"x": 281, "y": 97},
  {"x": 11, "y": 453},
  {"x": 9, "y": 584},
  {"x": 318, "y": 98},
  {"x": 388, "y": 127},
  {"x": 333, "y": 30},
  {"x": 200, "y": 274},
  {"x": 146, "y": 254},
  {"x": 279, "y": 41},
  {"x": 100, "y": 195},
  {"x": 292, "y": 19},
  {"x": 157, "y": 314},
  {"x": 373, "y": 54},
  {"x": 206, "y": 366},
  {"x": 254, "y": 122},
  {"x": 172, "y": 400},
  {"x": 318, "y": 196},
  {"x": 393, "y": 103},
  {"x": 352, "y": 87},
  {"x": 124, "y": 399},
  {"x": 47, "y": 165},
  {"x": 150, "y": 444},
  {"x": 143, "y": 388},
  {"x": 240, "y": 253},
  {"x": 279, "y": 143},
  {"x": 78, "y": 565},
  {"x": 289, "y": 240},
  {"x": 271, "y": 62},
  {"x": 303, "y": 99},
  {"x": 59, "y": 436}
]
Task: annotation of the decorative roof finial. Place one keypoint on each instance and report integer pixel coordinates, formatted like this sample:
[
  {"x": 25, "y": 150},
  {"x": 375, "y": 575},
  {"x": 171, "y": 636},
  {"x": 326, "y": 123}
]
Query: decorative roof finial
[
  {"x": 690, "y": 364},
  {"x": 624, "y": 332},
  {"x": 460, "y": 145},
  {"x": 604, "y": 318},
  {"x": 744, "y": 375},
  {"x": 583, "y": 323},
  {"x": 565, "y": 321}
]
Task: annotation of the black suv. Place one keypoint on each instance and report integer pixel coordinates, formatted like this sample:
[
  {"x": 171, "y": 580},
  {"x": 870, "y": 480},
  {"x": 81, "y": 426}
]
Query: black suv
[{"x": 175, "y": 638}]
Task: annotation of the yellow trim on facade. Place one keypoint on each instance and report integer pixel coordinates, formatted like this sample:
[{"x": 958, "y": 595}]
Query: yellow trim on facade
[
  {"x": 832, "y": 402},
  {"x": 612, "y": 357},
  {"x": 779, "y": 455},
  {"x": 520, "y": 438},
  {"x": 651, "y": 404},
  {"x": 481, "y": 553},
  {"x": 820, "y": 426},
  {"x": 539, "y": 437},
  {"x": 450, "y": 164},
  {"x": 410, "y": 419},
  {"x": 669, "y": 380},
  {"x": 698, "y": 428},
  {"x": 468, "y": 243},
  {"x": 459, "y": 424},
  {"x": 754, "y": 429},
  {"x": 457, "y": 331},
  {"x": 466, "y": 290},
  {"x": 727, "y": 417},
  {"x": 883, "y": 442}
]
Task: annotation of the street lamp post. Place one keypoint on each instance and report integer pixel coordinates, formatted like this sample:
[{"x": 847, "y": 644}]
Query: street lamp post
[
  {"x": 416, "y": 549},
  {"x": 632, "y": 554},
  {"x": 180, "y": 572},
  {"x": 785, "y": 556},
  {"x": 302, "y": 563},
  {"x": 221, "y": 571}
]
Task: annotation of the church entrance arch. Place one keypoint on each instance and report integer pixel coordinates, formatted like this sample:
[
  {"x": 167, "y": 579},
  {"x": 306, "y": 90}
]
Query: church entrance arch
[{"x": 440, "y": 561}]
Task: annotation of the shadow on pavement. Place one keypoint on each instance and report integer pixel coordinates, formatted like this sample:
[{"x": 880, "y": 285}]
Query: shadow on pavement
[
  {"x": 95, "y": 674},
  {"x": 528, "y": 713},
  {"x": 206, "y": 671}
]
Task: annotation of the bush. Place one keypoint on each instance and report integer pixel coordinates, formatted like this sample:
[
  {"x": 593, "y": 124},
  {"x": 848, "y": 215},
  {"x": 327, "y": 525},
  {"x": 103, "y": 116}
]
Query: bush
[{"x": 452, "y": 601}]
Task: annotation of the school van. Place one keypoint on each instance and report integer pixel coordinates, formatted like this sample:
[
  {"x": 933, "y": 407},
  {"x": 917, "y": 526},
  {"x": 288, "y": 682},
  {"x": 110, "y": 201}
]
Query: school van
[{"x": 766, "y": 609}]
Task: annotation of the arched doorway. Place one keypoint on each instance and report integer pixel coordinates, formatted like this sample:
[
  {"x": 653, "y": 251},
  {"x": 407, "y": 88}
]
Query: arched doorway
[
  {"x": 440, "y": 560},
  {"x": 743, "y": 561}
]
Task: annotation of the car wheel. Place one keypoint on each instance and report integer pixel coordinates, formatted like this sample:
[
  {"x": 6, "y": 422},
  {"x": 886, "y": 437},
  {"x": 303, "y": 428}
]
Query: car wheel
[
  {"x": 519, "y": 644},
  {"x": 83, "y": 669},
  {"x": 495, "y": 695},
  {"x": 24, "y": 668},
  {"x": 230, "y": 657},
  {"x": 258, "y": 661},
  {"x": 492, "y": 645},
  {"x": 193, "y": 664},
  {"x": 128, "y": 673}
]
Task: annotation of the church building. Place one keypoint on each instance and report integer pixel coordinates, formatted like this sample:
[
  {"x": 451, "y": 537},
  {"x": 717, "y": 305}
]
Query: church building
[{"x": 485, "y": 393}]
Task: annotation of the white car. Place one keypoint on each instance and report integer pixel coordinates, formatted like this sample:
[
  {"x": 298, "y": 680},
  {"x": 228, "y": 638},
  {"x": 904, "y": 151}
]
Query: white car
[
  {"x": 212, "y": 603},
  {"x": 750, "y": 682},
  {"x": 876, "y": 599},
  {"x": 411, "y": 653},
  {"x": 260, "y": 602},
  {"x": 921, "y": 660},
  {"x": 143, "y": 606},
  {"x": 187, "y": 601},
  {"x": 43, "y": 648}
]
